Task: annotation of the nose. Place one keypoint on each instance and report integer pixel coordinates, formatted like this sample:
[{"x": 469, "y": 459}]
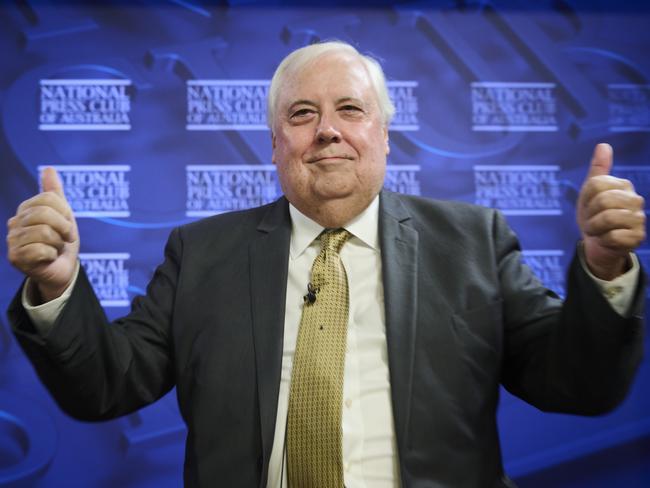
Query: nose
[{"x": 326, "y": 132}]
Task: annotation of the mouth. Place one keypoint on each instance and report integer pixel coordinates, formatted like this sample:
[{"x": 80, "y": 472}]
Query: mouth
[{"x": 330, "y": 159}]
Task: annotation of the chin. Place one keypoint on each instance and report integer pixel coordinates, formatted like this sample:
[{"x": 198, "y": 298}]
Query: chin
[
  {"x": 333, "y": 194},
  {"x": 337, "y": 187}
]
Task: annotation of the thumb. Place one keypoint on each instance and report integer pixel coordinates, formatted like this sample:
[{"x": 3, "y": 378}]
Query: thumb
[
  {"x": 50, "y": 181},
  {"x": 601, "y": 161}
]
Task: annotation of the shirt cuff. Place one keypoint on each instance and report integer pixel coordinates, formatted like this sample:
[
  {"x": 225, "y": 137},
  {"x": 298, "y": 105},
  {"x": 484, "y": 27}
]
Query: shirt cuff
[
  {"x": 619, "y": 292},
  {"x": 44, "y": 315}
]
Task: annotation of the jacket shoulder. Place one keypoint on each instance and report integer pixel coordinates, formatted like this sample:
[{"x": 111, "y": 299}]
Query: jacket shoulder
[
  {"x": 236, "y": 224},
  {"x": 423, "y": 210}
]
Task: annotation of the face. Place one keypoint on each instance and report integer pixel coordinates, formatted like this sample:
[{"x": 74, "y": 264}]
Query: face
[{"x": 329, "y": 139}]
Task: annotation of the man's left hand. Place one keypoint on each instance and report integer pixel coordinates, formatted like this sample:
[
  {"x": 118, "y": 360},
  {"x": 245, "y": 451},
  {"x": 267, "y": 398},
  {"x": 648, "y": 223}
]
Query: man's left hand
[{"x": 611, "y": 217}]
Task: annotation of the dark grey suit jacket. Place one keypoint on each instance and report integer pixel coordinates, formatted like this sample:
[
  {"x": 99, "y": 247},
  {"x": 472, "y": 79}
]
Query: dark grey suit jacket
[{"x": 462, "y": 316}]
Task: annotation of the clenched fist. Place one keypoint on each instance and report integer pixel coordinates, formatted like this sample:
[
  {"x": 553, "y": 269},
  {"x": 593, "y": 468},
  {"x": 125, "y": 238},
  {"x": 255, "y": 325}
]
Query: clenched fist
[
  {"x": 610, "y": 216},
  {"x": 43, "y": 240}
]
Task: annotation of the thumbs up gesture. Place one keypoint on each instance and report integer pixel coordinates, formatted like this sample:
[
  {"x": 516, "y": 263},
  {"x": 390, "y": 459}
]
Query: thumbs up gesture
[
  {"x": 610, "y": 216},
  {"x": 43, "y": 240}
]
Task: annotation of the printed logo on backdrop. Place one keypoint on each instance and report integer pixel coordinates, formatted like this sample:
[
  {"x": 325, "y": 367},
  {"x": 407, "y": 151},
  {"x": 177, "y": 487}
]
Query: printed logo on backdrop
[
  {"x": 548, "y": 266},
  {"x": 403, "y": 179},
  {"x": 241, "y": 105},
  {"x": 402, "y": 93},
  {"x": 108, "y": 276},
  {"x": 629, "y": 107},
  {"x": 214, "y": 189},
  {"x": 639, "y": 176},
  {"x": 96, "y": 190},
  {"x": 519, "y": 190},
  {"x": 514, "y": 107},
  {"x": 226, "y": 104},
  {"x": 71, "y": 104}
]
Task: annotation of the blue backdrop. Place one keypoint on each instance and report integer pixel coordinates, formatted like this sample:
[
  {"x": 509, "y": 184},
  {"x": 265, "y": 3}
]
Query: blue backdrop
[{"x": 154, "y": 114}]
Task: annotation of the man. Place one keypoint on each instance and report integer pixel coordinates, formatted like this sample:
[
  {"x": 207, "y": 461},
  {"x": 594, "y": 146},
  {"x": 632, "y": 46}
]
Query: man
[{"x": 439, "y": 308}]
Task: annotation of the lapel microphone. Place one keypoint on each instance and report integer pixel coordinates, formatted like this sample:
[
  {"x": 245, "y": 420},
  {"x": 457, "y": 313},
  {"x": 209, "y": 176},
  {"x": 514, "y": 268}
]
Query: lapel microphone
[{"x": 310, "y": 297}]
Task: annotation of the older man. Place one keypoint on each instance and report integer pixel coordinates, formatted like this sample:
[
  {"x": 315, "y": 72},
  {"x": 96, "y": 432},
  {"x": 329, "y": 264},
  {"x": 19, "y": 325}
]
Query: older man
[{"x": 341, "y": 335}]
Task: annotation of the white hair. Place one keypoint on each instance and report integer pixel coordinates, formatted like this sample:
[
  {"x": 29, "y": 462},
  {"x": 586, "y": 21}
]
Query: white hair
[{"x": 299, "y": 58}]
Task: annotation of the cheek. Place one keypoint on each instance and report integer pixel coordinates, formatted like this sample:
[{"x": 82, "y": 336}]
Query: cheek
[
  {"x": 375, "y": 175},
  {"x": 292, "y": 175},
  {"x": 374, "y": 168},
  {"x": 375, "y": 151}
]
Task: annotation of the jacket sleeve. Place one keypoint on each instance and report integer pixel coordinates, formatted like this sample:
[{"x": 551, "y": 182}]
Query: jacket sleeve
[
  {"x": 577, "y": 357},
  {"x": 98, "y": 370}
]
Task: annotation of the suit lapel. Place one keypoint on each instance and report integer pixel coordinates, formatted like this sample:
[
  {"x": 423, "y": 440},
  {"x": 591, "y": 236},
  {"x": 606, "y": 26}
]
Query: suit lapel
[
  {"x": 399, "y": 257},
  {"x": 269, "y": 255}
]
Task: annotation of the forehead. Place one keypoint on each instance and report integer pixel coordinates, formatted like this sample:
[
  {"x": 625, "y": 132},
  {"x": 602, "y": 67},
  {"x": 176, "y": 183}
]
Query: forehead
[{"x": 330, "y": 76}]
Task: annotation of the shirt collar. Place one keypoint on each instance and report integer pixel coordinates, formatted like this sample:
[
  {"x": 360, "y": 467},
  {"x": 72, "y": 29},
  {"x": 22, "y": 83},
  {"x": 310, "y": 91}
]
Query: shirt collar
[{"x": 364, "y": 227}]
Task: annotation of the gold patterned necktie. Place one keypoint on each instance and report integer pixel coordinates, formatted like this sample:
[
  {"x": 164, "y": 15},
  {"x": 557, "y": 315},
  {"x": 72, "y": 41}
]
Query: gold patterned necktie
[{"x": 314, "y": 439}]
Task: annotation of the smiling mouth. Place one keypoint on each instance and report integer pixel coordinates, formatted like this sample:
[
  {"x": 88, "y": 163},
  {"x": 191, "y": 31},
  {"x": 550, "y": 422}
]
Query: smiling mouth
[{"x": 326, "y": 159}]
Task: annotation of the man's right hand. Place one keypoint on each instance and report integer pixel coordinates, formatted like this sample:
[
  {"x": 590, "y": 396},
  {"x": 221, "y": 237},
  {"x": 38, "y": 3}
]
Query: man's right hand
[{"x": 43, "y": 239}]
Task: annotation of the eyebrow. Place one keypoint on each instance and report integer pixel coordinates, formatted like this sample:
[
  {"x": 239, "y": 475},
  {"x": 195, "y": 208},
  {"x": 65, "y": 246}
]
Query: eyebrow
[{"x": 350, "y": 99}]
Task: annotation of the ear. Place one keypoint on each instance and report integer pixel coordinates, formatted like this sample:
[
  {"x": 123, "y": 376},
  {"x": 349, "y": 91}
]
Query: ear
[
  {"x": 273, "y": 147},
  {"x": 386, "y": 140}
]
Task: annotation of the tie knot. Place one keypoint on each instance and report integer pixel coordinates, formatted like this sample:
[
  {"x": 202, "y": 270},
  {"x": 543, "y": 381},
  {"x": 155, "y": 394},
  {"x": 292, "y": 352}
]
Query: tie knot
[{"x": 333, "y": 239}]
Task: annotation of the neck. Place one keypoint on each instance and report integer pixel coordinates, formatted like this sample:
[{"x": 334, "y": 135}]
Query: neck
[{"x": 333, "y": 213}]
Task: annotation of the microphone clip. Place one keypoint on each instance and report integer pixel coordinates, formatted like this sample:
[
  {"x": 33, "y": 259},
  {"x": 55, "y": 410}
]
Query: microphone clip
[{"x": 310, "y": 297}]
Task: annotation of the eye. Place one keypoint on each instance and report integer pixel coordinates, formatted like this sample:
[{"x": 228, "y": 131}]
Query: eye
[
  {"x": 352, "y": 111},
  {"x": 301, "y": 113},
  {"x": 350, "y": 108}
]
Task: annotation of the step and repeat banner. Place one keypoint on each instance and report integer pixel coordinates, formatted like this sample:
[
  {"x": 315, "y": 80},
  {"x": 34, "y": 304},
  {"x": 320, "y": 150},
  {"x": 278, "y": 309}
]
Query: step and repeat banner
[{"x": 154, "y": 114}]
